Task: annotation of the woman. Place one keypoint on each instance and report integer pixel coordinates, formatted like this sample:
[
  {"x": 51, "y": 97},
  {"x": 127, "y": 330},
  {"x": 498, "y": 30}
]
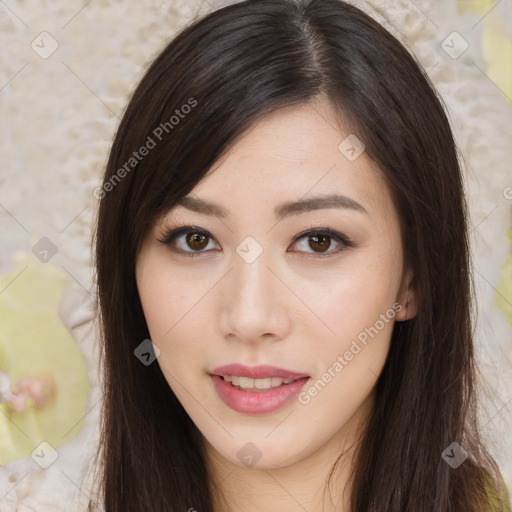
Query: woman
[{"x": 283, "y": 277}]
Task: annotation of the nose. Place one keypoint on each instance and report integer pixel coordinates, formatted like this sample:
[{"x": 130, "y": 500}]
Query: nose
[{"x": 254, "y": 304}]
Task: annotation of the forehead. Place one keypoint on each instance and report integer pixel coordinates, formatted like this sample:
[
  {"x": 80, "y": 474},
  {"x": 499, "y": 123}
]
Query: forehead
[{"x": 293, "y": 153}]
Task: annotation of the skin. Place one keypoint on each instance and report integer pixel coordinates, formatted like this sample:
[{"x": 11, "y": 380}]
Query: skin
[{"x": 286, "y": 308}]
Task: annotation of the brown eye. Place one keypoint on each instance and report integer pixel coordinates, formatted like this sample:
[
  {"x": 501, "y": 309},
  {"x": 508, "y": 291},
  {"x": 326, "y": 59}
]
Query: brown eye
[
  {"x": 319, "y": 243},
  {"x": 197, "y": 241},
  {"x": 188, "y": 240}
]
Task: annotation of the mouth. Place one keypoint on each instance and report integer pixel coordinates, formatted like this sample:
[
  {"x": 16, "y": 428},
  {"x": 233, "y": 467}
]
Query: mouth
[
  {"x": 260, "y": 372},
  {"x": 257, "y": 385},
  {"x": 256, "y": 390}
]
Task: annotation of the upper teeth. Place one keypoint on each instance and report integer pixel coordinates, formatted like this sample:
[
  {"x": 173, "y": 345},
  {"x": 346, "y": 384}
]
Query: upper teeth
[{"x": 248, "y": 383}]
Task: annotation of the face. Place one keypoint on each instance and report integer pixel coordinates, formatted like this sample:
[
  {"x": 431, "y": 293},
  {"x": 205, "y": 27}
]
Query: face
[{"x": 271, "y": 275}]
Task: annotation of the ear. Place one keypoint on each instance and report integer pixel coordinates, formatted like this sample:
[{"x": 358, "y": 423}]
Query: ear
[{"x": 407, "y": 298}]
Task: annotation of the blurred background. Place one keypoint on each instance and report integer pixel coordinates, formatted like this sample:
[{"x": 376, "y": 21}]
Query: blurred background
[{"x": 67, "y": 70}]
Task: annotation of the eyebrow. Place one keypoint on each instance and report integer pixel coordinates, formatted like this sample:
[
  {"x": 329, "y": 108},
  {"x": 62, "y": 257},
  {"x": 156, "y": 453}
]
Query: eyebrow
[{"x": 283, "y": 210}]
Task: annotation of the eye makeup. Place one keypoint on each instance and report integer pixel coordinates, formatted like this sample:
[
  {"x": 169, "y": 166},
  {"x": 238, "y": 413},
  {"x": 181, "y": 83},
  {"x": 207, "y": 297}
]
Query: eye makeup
[{"x": 316, "y": 236}]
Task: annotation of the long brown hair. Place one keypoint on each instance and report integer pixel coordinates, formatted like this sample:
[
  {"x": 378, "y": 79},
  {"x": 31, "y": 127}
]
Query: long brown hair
[{"x": 230, "y": 68}]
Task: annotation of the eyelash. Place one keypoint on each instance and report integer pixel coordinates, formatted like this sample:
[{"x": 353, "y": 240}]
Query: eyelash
[{"x": 171, "y": 234}]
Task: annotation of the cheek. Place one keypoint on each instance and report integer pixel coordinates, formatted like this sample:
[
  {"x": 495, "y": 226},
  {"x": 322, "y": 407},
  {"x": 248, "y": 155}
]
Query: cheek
[
  {"x": 176, "y": 316},
  {"x": 349, "y": 356},
  {"x": 351, "y": 343},
  {"x": 169, "y": 299},
  {"x": 354, "y": 297}
]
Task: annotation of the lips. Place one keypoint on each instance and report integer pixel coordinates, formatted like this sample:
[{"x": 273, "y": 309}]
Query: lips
[
  {"x": 257, "y": 401},
  {"x": 252, "y": 402},
  {"x": 257, "y": 372}
]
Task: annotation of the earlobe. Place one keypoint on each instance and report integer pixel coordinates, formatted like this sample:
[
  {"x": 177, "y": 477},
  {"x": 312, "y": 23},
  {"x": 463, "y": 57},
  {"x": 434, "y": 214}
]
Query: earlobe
[{"x": 408, "y": 299}]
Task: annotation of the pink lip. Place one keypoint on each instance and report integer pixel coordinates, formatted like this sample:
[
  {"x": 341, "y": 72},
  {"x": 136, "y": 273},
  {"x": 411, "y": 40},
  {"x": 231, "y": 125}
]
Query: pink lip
[
  {"x": 257, "y": 402},
  {"x": 257, "y": 372}
]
